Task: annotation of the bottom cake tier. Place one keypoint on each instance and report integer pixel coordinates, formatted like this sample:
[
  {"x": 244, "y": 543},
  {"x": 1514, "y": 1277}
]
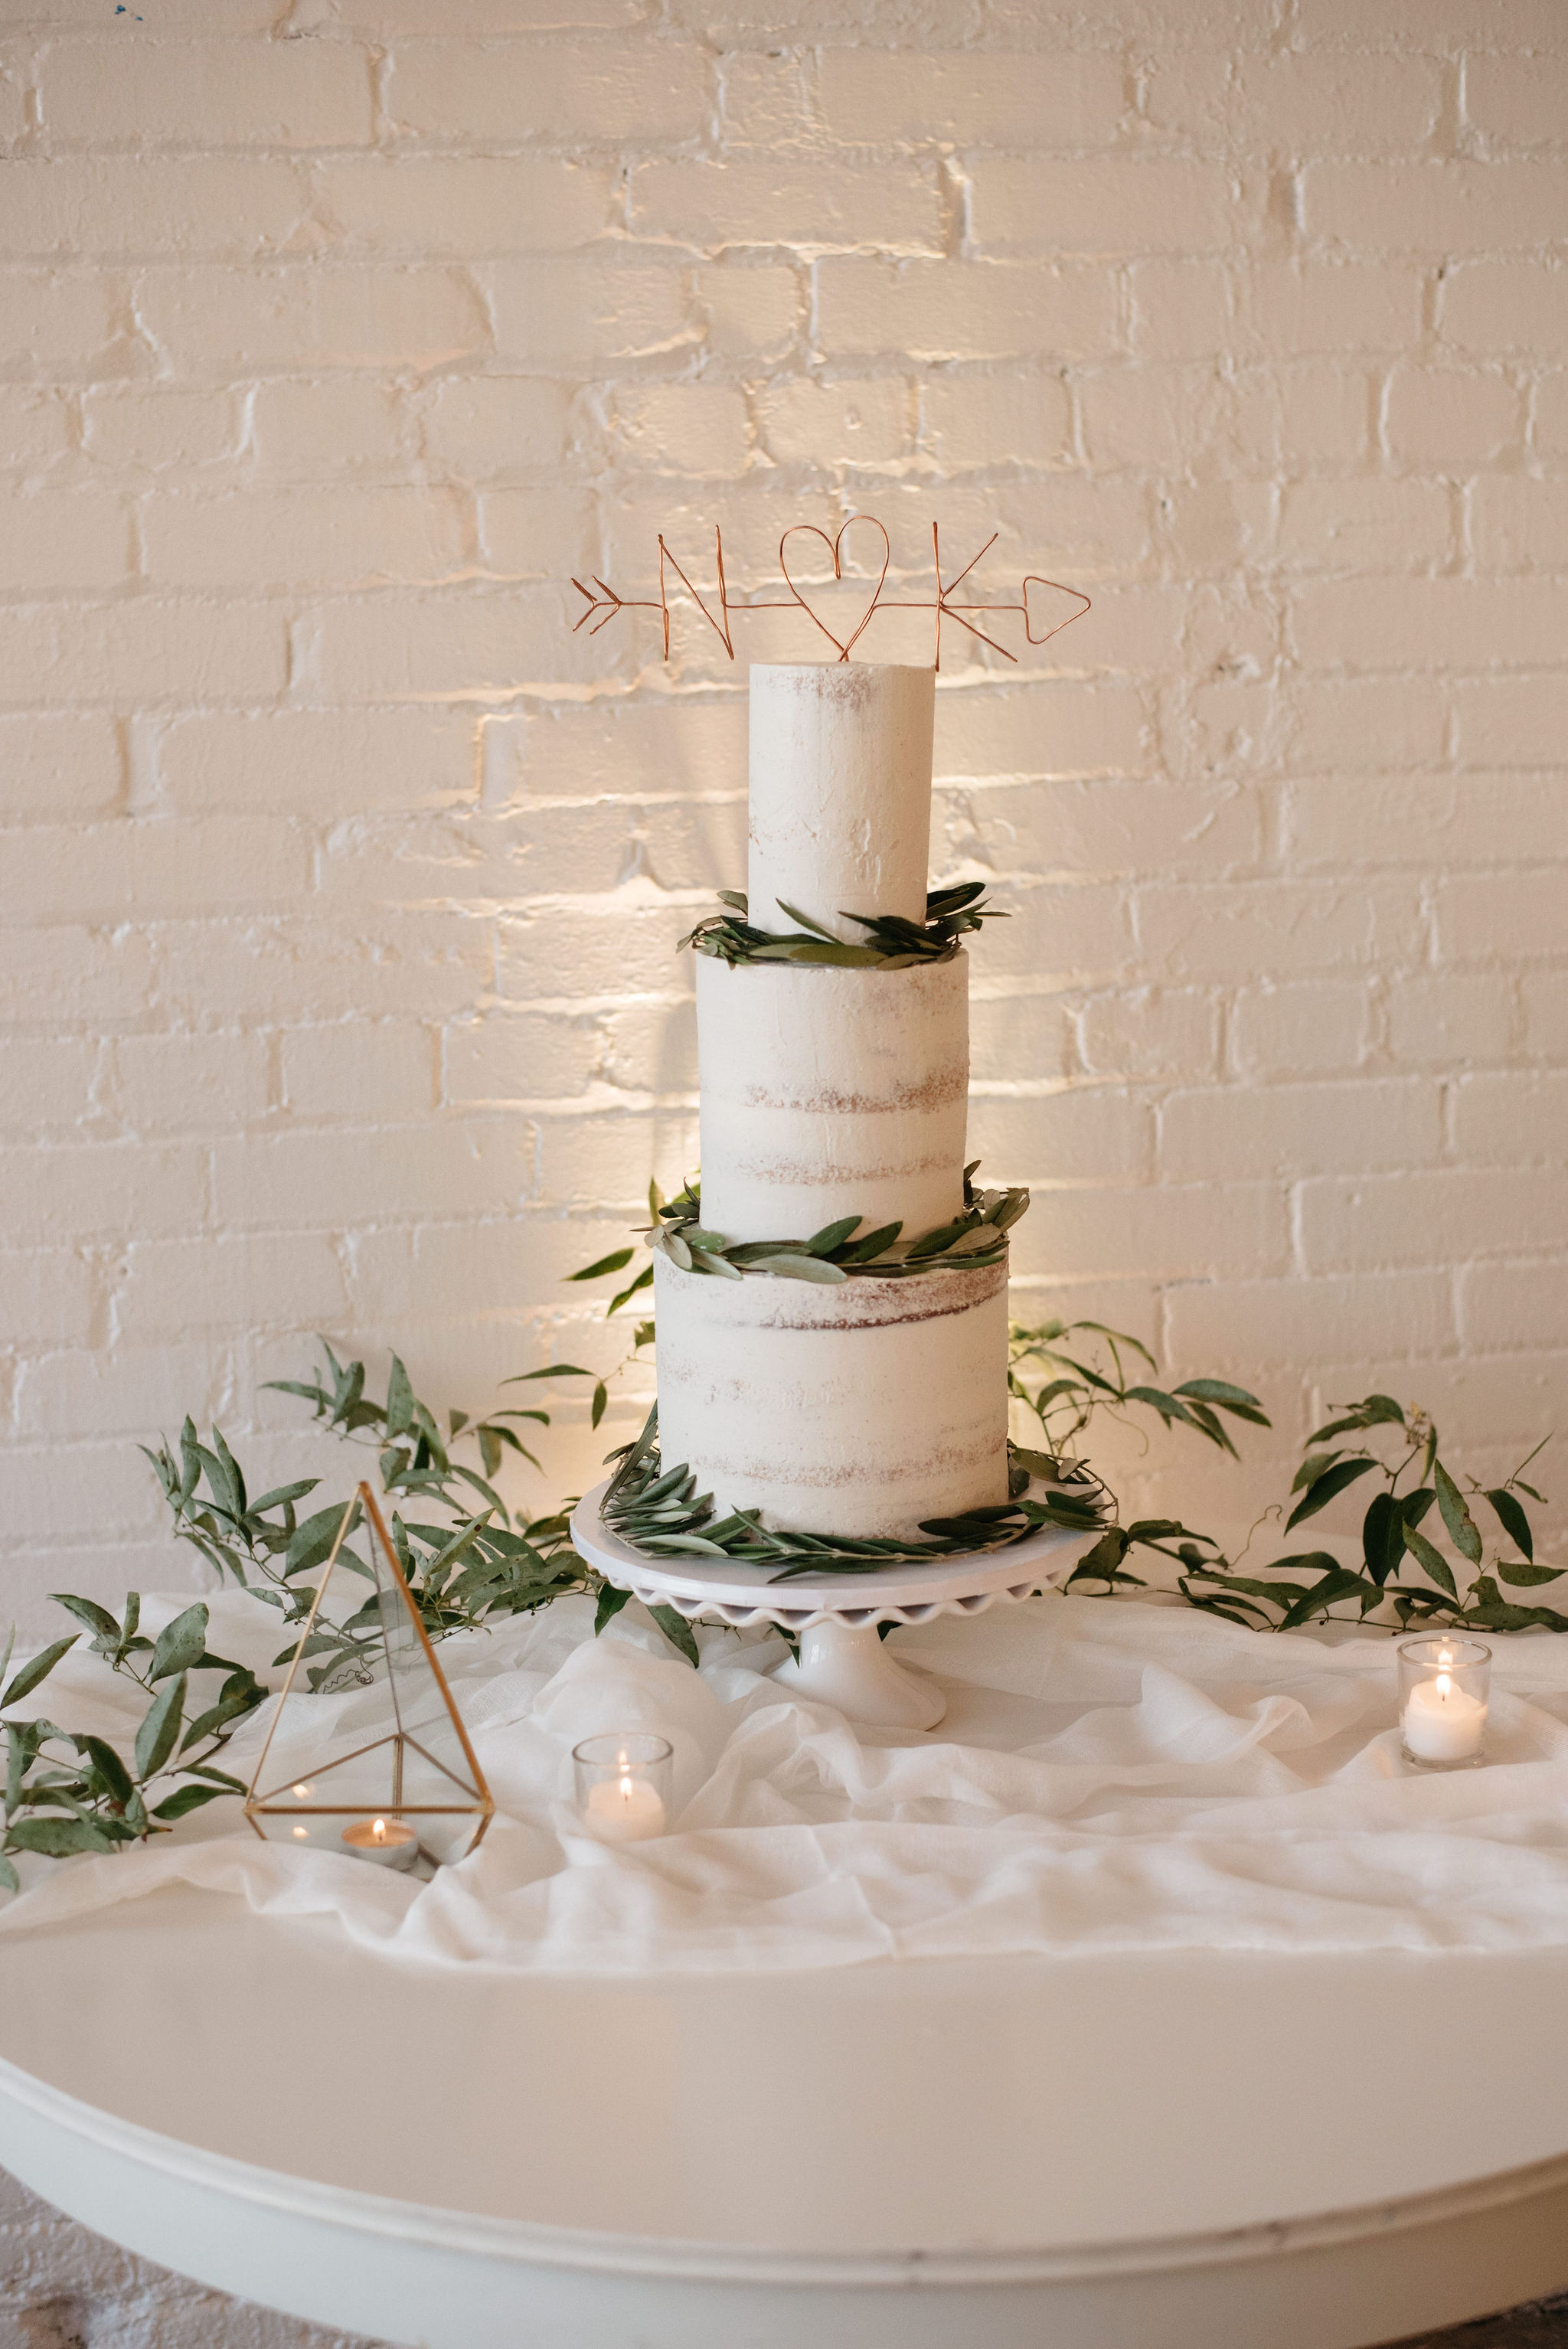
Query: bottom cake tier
[{"x": 858, "y": 1410}]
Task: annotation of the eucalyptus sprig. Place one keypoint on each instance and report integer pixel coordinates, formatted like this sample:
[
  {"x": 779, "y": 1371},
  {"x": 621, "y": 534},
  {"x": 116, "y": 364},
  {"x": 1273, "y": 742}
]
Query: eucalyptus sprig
[{"x": 891, "y": 942}]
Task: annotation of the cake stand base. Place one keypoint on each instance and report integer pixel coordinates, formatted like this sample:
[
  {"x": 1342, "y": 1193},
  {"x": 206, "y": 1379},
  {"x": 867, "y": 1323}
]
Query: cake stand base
[
  {"x": 848, "y": 1665},
  {"x": 834, "y": 1618}
]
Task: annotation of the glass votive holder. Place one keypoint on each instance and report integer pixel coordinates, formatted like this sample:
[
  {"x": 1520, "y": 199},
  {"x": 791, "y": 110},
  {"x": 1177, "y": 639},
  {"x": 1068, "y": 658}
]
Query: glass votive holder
[
  {"x": 1443, "y": 1688},
  {"x": 624, "y": 1783}
]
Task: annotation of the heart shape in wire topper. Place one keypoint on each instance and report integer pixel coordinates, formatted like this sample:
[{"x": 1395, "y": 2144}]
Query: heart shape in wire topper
[
  {"x": 603, "y": 603},
  {"x": 835, "y": 548}
]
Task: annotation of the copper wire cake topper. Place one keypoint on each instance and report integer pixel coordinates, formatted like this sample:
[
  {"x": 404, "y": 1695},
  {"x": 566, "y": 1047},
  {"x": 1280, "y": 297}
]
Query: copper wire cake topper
[{"x": 602, "y": 607}]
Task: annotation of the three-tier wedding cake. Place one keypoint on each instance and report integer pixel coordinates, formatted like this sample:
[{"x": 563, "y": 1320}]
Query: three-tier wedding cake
[{"x": 832, "y": 1308}]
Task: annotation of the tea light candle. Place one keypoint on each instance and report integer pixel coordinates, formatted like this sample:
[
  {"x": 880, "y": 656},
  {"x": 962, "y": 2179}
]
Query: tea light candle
[
  {"x": 625, "y": 1810},
  {"x": 1443, "y": 1685},
  {"x": 384, "y": 1843}
]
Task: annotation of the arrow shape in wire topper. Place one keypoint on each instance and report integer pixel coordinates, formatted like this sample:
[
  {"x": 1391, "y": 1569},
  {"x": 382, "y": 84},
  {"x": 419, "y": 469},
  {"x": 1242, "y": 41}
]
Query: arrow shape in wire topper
[{"x": 605, "y": 604}]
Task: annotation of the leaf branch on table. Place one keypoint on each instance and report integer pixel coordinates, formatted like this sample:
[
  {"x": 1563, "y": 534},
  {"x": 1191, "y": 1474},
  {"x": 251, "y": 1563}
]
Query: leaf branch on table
[
  {"x": 66, "y": 1792},
  {"x": 1402, "y": 1567}
]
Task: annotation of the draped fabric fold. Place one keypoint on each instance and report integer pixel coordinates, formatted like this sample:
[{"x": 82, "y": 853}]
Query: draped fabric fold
[{"x": 1110, "y": 1777}]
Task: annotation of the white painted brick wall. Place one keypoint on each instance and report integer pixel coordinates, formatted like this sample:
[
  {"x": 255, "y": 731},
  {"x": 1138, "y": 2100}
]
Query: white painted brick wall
[
  {"x": 62, "y": 2287},
  {"x": 341, "y": 881}
]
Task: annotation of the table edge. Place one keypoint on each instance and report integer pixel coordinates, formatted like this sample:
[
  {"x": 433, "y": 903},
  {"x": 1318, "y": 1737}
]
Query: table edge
[{"x": 588, "y": 2250}]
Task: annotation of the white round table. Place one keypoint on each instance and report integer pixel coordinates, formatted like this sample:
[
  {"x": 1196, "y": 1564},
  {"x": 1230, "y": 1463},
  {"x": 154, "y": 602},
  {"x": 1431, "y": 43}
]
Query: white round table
[{"x": 1180, "y": 2152}]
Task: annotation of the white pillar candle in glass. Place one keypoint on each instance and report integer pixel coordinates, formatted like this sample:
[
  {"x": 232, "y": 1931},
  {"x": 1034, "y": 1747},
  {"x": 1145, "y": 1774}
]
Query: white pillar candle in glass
[
  {"x": 1443, "y": 1693},
  {"x": 623, "y": 1784}
]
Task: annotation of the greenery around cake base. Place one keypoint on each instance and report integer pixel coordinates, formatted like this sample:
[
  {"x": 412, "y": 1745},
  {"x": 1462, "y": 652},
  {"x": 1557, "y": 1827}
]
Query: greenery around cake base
[
  {"x": 889, "y": 944},
  {"x": 660, "y": 1512}
]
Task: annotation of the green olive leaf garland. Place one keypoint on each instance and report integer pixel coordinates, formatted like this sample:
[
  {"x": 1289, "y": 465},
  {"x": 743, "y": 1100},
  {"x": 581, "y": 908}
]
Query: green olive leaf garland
[
  {"x": 839, "y": 1250},
  {"x": 659, "y": 1511},
  {"x": 890, "y": 942}
]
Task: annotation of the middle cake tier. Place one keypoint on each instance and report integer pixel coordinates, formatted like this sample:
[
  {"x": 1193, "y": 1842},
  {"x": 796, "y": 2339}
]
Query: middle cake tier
[
  {"x": 860, "y": 1411},
  {"x": 829, "y": 1092}
]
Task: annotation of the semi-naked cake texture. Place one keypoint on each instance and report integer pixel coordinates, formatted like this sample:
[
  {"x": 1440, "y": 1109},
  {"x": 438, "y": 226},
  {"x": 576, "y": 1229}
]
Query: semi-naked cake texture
[
  {"x": 831, "y": 1092},
  {"x": 866, "y": 1408},
  {"x": 838, "y": 814},
  {"x": 860, "y": 1410}
]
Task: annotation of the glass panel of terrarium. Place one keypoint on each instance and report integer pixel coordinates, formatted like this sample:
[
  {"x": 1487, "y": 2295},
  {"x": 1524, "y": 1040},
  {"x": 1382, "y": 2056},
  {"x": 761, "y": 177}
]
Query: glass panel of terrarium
[
  {"x": 331, "y": 1749},
  {"x": 365, "y": 1728},
  {"x": 443, "y": 1790}
]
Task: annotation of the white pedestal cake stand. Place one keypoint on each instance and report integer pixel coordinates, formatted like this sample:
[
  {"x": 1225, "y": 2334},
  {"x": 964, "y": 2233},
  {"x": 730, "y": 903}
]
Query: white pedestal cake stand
[{"x": 833, "y": 1616}]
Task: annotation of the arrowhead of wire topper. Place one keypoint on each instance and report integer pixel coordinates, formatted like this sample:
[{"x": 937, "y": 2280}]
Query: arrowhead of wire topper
[{"x": 602, "y": 606}]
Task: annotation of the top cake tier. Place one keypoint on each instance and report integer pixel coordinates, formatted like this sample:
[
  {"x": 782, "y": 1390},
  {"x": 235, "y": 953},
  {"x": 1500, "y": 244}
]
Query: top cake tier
[{"x": 840, "y": 792}]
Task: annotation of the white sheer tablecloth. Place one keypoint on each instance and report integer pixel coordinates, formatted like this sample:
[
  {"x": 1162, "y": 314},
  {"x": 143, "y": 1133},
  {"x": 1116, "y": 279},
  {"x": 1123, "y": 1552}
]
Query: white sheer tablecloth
[{"x": 1111, "y": 1775}]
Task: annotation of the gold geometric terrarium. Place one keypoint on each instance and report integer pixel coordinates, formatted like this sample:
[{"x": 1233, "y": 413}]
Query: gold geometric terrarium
[{"x": 365, "y": 1753}]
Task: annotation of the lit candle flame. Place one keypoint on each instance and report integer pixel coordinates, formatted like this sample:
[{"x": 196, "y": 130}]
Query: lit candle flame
[
  {"x": 379, "y": 1832},
  {"x": 625, "y": 1790},
  {"x": 1442, "y": 1687}
]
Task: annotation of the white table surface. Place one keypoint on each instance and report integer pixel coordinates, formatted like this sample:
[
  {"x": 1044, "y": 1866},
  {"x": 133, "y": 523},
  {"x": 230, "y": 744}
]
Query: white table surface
[{"x": 1191, "y": 2150}]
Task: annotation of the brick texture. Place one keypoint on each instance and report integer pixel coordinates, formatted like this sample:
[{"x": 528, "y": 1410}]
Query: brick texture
[
  {"x": 61, "y": 2287},
  {"x": 341, "y": 880}
]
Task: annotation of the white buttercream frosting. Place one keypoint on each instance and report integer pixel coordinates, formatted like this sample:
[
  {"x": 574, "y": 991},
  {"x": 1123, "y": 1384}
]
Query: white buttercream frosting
[
  {"x": 857, "y": 1410},
  {"x": 831, "y": 1092},
  {"x": 866, "y": 1407},
  {"x": 840, "y": 792}
]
